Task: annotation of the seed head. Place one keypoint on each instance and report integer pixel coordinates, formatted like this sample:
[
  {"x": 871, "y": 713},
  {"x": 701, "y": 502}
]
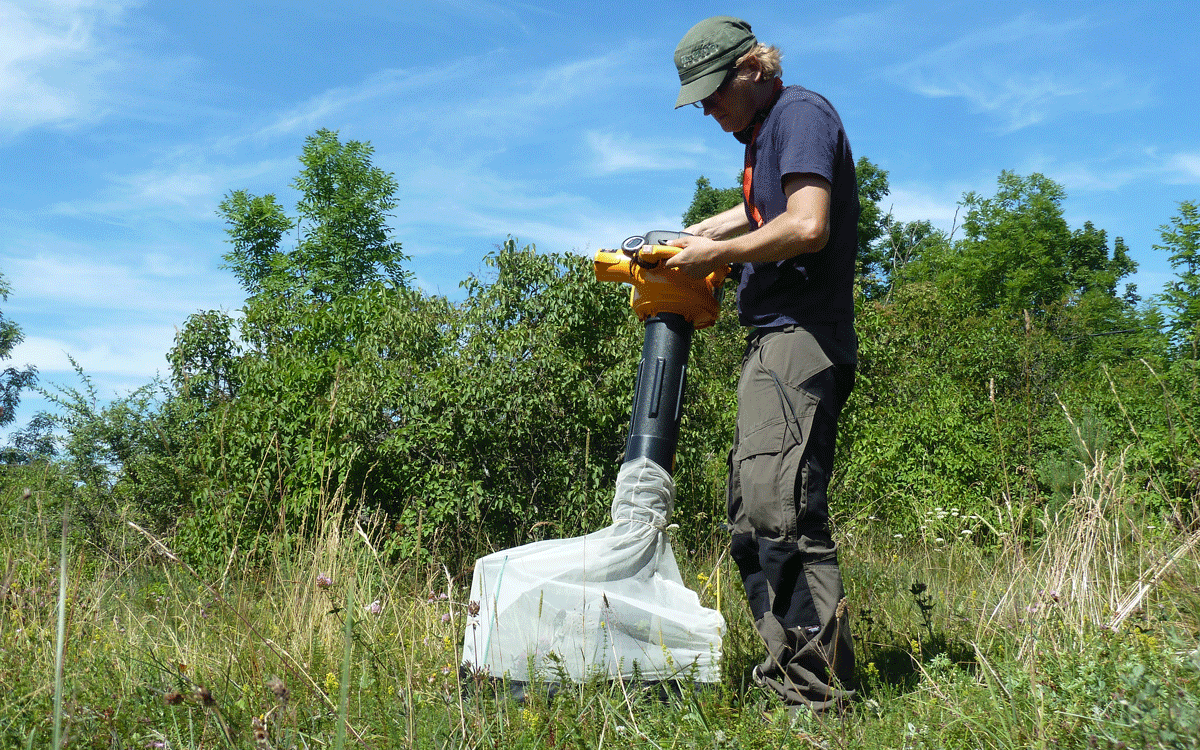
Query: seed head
[
  {"x": 278, "y": 689},
  {"x": 260, "y": 733}
]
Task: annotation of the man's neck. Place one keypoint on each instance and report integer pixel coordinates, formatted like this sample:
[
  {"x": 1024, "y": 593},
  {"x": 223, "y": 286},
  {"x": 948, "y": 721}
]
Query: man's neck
[{"x": 764, "y": 95}]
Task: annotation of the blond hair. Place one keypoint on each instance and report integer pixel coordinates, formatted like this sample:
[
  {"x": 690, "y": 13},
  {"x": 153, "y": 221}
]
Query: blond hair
[{"x": 768, "y": 58}]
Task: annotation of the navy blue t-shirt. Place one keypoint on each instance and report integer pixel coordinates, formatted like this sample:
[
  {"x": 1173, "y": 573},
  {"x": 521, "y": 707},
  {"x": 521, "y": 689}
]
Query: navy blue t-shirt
[{"x": 803, "y": 134}]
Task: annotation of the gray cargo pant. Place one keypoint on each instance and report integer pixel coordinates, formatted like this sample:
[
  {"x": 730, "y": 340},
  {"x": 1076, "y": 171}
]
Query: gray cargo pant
[{"x": 793, "y": 385}]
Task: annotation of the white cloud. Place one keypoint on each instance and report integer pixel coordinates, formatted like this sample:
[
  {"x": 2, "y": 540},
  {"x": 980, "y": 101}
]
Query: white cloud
[
  {"x": 160, "y": 283},
  {"x": 1186, "y": 167},
  {"x": 624, "y": 153},
  {"x": 392, "y": 85},
  {"x": 54, "y": 61},
  {"x": 469, "y": 99},
  {"x": 919, "y": 203},
  {"x": 1021, "y": 73},
  {"x": 183, "y": 188},
  {"x": 851, "y": 33},
  {"x": 1117, "y": 169},
  {"x": 489, "y": 13},
  {"x": 122, "y": 350}
]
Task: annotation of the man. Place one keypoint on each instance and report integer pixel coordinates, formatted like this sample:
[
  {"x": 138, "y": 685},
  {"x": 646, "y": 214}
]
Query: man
[{"x": 795, "y": 237}]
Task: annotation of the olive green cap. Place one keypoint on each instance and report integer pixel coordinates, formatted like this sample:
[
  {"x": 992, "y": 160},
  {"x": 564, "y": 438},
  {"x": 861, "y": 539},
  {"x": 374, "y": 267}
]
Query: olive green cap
[{"x": 707, "y": 53}]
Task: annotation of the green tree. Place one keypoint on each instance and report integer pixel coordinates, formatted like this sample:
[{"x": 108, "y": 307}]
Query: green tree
[
  {"x": 1014, "y": 255},
  {"x": 873, "y": 225},
  {"x": 1093, "y": 272},
  {"x": 709, "y": 201},
  {"x": 256, "y": 228},
  {"x": 118, "y": 454},
  {"x": 343, "y": 239},
  {"x": 204, "y": 358},
  {"x": 13, "y": 380},
  {"x": 1181, "y": 297}
]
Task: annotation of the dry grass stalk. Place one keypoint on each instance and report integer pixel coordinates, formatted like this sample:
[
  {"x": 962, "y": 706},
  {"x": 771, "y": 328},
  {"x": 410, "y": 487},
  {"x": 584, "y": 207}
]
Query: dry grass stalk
[{"x": 1149, "y": 581}]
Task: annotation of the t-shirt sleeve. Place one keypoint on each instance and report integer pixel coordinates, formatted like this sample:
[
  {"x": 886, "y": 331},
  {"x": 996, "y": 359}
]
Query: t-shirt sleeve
[{"x": 807, "y": 140}]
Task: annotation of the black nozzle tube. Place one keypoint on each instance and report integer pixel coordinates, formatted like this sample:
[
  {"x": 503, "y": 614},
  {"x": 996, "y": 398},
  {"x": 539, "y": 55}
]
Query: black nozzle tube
[{"x": 658, "y": 394}]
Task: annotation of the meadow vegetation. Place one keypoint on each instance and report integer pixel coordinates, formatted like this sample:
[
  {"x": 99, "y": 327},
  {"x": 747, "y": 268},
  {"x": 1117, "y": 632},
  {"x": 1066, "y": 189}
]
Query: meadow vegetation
[{"x": 272, "y": 547}]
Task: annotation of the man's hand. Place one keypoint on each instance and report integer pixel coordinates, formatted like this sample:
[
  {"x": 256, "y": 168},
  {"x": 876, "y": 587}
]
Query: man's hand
[
  {"x": 698, "y": 257},
  {"x": 728, "y": 223},
  {"x": 802, "y": 228}
]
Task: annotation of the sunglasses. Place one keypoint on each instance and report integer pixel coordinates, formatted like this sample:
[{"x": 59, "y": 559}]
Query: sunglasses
[{"x": 729, "y": 76}]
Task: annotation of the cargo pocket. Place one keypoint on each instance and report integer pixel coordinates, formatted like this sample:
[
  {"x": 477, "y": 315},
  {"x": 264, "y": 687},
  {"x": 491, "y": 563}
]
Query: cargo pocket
[{"x": 769, "y": 456}]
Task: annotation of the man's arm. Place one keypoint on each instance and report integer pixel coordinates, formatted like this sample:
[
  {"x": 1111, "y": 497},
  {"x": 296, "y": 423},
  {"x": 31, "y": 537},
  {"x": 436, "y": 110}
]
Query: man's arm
[
  {"x": 802, "y": 228},
  {"x": 728, "y": 223}
]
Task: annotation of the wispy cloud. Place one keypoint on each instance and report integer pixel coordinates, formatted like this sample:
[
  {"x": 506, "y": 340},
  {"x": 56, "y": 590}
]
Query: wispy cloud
[
  {"x": 1120, "y": 168},
  {"x": 622, "y": 152},
  {"x": 184, "y": 187},
  {"x": 853, "y": 32},
  {"x": 159, "y": 283},
  {"x": 135, "y": 351},
  {"x": 937, "y": 205},
  {"x": 472, "y": 98},
  {"x": 1186, "y": 167},
  {"x": 392, "y": 85},
  {"x": 55, "y": 61},
  {"x": 489, "y": 13},
  {"x": 1021, "y": 73}
]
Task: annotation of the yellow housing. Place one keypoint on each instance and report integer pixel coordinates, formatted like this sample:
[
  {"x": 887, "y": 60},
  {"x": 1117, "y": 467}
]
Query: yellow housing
[{"x": 663, "y": 290}]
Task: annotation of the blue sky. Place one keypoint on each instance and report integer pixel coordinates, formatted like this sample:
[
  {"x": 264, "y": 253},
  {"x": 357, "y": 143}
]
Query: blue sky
[{"x": 125, "y": 123}]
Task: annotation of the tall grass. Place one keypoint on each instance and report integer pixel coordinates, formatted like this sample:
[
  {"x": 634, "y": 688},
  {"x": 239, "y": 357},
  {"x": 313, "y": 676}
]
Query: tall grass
[{"x": 1087, "y": 638}]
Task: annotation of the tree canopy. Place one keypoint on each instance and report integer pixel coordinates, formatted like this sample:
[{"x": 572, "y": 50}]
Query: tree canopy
[
  {"x": 343, "y": 241},
  {"x": 993, "y": 367},
  {"x": 13, "y": 379}
]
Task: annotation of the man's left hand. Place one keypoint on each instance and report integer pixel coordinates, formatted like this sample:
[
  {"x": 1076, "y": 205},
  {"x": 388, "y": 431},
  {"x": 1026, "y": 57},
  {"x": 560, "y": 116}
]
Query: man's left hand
[{"x": 698, "y": 256}]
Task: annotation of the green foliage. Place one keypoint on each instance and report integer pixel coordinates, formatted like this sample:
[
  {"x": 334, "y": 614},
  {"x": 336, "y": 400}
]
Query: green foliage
[
  {"x": 872, "y": 221},
  {"x": 1020, "y": 256},
  {"x": 256, "y": 228},
  {"x": 343, "y": 244},
  {"x": 480, "y": 421},
  {"x": 540, "y": 391},
  {"x": 709, "y": 201},
  {"x": 874, "y": 254},
  {"x": 1181, "y": 297},
  {"x": 204, "y": 358},
  {"x": 906, "y": 251},
  {"x": 309, "y": 414},
  {"x": 1014, "y": 255},
  {"x": 990, "y": 369},
  {"x": 161, "y": 653},
  {"x": 33, "y": 443},
  {"x": 121, "y": 453},
  {"x": 12, "y": 379},
  {"x": 919, "y": 431}
]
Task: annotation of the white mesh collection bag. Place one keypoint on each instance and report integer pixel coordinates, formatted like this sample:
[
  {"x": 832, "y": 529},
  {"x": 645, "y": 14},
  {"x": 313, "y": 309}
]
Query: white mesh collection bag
[{"x": 609, "y": 604}]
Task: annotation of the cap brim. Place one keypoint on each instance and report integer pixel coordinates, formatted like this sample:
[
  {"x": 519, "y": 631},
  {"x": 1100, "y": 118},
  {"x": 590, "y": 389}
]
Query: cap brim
[{"x": 701, "y": 88}]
